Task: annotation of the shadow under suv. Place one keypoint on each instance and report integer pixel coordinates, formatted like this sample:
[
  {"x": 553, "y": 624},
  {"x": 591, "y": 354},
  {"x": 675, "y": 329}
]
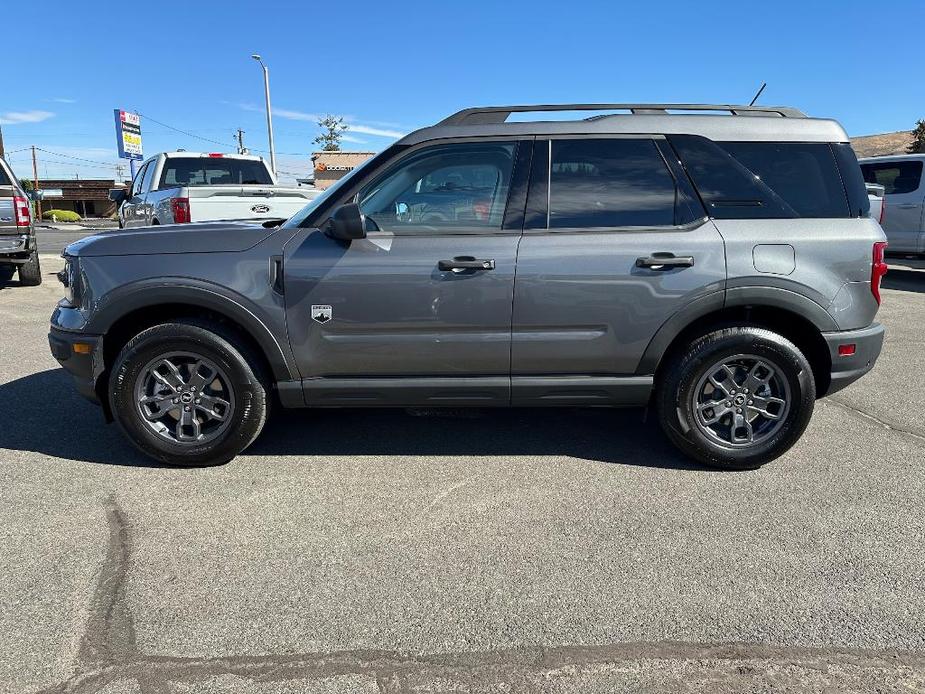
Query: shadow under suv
[{"x": 718, "y": 264}]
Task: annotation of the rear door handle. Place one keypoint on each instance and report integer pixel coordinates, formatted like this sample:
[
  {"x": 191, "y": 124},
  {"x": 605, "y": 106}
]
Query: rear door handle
[
  {"x": 465, "y": 262},
  {"x": 665, "y": 261},
  {"x": 905, "y": 206}
]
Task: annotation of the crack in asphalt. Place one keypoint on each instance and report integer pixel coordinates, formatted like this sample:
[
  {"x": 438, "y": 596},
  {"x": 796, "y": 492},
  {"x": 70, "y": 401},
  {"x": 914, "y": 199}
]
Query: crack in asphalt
[
  {"x": 108, "y": 652},
  {"x": 867, "y": 415}
]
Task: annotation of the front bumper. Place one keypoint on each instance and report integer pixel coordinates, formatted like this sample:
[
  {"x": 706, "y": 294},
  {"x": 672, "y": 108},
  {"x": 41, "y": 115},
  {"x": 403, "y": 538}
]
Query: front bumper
[
  {"x": 81, "y": 356},
  {"x": 846, "y": 369}
]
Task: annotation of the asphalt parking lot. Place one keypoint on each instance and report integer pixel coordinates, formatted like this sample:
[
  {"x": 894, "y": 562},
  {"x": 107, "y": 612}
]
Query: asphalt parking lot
[{"x": 386, "y": 551}]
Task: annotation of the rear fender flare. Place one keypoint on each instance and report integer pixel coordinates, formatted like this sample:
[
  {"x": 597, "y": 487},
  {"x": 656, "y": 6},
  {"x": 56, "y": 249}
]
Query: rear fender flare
[{"x": 774, "y": 297}]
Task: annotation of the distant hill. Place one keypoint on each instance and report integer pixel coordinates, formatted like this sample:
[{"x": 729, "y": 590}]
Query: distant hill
[{"x": 885, "y": 143}]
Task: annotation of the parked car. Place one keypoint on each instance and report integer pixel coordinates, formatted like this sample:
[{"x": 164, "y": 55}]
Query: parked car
[
  {"x": 181, "y": 187},
  {"x": 877, "y": 196},
  {"x": 901, "y": 177},
  {"x": 18, "y": 249},
  {"x": 721, "y": 268}
]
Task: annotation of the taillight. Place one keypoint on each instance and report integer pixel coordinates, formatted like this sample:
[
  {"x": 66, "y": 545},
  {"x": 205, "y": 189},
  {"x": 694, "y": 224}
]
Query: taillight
[
  {"x": 23, "y": 211},
  {"x": 878, "y": 269},
  {"x": 180, "y": 207}
]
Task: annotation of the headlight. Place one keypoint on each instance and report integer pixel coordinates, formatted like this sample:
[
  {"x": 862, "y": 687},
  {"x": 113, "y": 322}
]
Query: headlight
[{"x": 70, "y": 278}]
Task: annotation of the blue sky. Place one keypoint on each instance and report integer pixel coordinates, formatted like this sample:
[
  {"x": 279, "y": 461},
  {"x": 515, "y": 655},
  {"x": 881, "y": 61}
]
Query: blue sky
[{"x": 390, "y": 67}]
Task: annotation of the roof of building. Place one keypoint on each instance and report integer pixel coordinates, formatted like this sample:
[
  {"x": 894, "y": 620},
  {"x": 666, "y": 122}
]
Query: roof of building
[
  {"x": 715, "y": 121},
  {"x": 884, "y": 143}
]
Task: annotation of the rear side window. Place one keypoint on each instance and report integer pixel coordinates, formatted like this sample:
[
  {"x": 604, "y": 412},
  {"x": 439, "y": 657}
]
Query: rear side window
[
  {"x": 4, "y": 179},
  {"x": 213, "y": 171},
  {"x": 743, "y": 180},
  {"x": 609, "y": 183},
  {"x": 896, "y": 177}
]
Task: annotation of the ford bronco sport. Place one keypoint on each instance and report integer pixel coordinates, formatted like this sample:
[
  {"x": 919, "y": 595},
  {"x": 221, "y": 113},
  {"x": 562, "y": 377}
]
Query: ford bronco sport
[{"x": 715, "y": 262}]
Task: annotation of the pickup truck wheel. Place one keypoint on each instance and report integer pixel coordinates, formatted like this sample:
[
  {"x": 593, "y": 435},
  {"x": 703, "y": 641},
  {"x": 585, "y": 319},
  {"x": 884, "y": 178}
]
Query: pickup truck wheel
[
  {"x": 30, "y": 272},
  {"x": 736, "y": 398},
  {"x": 186, "y": 394}
]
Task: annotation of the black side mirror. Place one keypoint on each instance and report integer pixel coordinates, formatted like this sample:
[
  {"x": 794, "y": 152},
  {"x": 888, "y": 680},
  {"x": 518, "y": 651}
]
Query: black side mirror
[
  {"x": 346, "y": 224},
  {"x": 118, "y": 195}
]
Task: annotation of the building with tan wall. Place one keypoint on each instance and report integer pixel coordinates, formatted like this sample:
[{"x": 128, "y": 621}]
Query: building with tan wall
[{"x": 332, "y": 166}]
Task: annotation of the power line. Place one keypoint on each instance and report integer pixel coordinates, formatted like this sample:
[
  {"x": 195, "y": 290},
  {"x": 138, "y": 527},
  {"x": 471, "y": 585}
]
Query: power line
[
  {"x": 69, "y": 156},
  {"x": 184, "y": 132}
]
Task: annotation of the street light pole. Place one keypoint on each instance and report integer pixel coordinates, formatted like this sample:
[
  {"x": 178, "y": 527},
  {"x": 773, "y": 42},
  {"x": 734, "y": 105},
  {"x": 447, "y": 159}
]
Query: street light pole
[{"x": 266, "y": 87}]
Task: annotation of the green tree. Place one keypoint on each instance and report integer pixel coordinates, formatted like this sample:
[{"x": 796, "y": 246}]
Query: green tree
[
  {"x": 26, "y": 184},
  {"x": 918, "y": 138},
  {"x": 332, "y": 130}
]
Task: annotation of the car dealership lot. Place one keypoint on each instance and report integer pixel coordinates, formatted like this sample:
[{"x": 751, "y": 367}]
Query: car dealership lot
[{"x": 552, "y": 550}]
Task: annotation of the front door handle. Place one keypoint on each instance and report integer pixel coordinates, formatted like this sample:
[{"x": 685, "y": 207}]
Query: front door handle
[
  {"x": 465, "y": 262},
  {"x": 665, "y": 261}
]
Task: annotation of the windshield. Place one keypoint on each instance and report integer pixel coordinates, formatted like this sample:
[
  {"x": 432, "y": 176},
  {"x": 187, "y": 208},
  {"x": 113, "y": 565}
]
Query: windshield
[
  {"x": 214, "y": 171},
  {"x": 303, "y": 214}
]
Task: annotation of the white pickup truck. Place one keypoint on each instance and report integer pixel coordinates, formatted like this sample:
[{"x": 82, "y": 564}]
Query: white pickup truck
[{"x": 179, "y": 187}]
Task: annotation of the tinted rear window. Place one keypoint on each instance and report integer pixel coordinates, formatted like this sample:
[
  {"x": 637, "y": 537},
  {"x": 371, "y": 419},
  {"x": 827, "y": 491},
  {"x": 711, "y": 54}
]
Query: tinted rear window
[
  {"x": 896, "y": 177},
  {"x": 4, "y": 179},
  {"x": 742, "y": 180},
  {"x": 609, "y": 183},
  {"x": 213, "y": 171}
]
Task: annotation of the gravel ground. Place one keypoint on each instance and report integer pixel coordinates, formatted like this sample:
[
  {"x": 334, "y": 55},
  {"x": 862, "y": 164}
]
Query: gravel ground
[{"x": 524, "y": 550}]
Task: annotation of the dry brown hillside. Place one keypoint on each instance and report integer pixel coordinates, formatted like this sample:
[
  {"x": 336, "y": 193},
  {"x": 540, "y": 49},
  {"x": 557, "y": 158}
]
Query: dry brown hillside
[{"x": 885, "y": 143}]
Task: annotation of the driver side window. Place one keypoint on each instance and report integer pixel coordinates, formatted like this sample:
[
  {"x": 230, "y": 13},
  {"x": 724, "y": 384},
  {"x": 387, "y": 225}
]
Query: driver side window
[{"x": 458, "y": 186}]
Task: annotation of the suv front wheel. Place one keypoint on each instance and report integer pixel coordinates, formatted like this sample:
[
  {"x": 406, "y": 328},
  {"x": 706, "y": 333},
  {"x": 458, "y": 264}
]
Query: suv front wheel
[
  {"x": 187, "y": 393},
  {"x": 736, "y": 398}
]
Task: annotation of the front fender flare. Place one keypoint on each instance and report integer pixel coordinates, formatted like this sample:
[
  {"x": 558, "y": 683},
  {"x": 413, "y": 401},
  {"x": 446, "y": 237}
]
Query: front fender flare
[{"x": 154, "y": 292}]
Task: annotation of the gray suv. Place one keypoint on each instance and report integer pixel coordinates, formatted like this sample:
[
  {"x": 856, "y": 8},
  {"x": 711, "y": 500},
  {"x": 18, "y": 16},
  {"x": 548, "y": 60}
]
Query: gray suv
[{"x": 717, "y": 264}]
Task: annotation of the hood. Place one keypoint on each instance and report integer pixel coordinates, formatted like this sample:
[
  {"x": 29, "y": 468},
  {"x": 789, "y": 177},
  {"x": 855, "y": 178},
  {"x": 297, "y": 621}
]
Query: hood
[{"x": 168, "y": 239}]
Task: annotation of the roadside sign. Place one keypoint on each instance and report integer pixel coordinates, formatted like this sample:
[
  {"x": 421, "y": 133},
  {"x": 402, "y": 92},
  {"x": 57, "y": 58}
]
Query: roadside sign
[
  {"x": 128, "y": 134},
  {"x": 47, "y": 193}
]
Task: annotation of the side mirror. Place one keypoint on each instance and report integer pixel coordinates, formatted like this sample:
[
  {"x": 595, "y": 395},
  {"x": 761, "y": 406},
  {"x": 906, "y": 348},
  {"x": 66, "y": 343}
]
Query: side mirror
[
  {"x": 346, "y": 224},
  {"x": 118, "y": 195}
]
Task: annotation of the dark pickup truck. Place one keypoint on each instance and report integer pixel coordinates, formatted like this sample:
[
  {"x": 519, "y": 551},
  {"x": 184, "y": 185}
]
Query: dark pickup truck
[{"x": 17, "y": 235}]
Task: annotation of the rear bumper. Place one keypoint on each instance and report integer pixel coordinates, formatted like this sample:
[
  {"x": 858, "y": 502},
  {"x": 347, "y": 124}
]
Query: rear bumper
[
  {"x": 847, "y": 369},
  {"x": 15, "y": 244},
  {"x": 84, "y": 366}
]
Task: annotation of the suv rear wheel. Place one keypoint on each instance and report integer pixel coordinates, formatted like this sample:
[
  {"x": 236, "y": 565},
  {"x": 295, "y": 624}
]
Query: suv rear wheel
[
  {"x": 186, "y": 394},
  {"x": 737, "y": 398}
]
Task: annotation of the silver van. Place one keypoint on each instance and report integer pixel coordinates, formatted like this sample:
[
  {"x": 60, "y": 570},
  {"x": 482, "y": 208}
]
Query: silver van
[{"x": 717, "y": 263}]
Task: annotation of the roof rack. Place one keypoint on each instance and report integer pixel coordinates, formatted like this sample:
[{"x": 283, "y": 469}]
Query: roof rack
[{"x": 498, "y": 114}]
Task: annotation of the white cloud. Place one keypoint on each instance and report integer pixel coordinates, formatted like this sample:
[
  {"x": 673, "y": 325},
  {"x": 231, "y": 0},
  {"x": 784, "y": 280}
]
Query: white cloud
[
  {"x": 388, "y": 131},
  {"x": 380, "y": 132},
  {"x": 354, "y": 140},
  {"x": 296, "y": 115},
  {"x": 16, "y": 117},
  {"x": 63, "y": 100}
]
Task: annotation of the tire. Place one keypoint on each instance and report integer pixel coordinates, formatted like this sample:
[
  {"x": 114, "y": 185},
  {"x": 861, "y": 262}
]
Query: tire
[
  {"x": 173, "y": 437},
  {"x": 6, "y": 273},
  {"x": 30, "y": 272},
  {"x": 686, "y": 383}
]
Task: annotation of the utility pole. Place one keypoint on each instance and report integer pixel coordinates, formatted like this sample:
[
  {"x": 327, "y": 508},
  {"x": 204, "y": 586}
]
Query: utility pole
[
  {"x": 266, "y": 90},
  {"x": 2, "y": 154},
  {"x": 241, "y": 148},
  {"x": 35, "y": 185}
]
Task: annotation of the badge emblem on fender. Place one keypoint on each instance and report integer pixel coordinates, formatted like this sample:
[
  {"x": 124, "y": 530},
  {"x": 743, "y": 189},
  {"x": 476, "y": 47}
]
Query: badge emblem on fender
[
  {"x": 322, "y": 314},
  {"x": 260, "y": 209}
]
